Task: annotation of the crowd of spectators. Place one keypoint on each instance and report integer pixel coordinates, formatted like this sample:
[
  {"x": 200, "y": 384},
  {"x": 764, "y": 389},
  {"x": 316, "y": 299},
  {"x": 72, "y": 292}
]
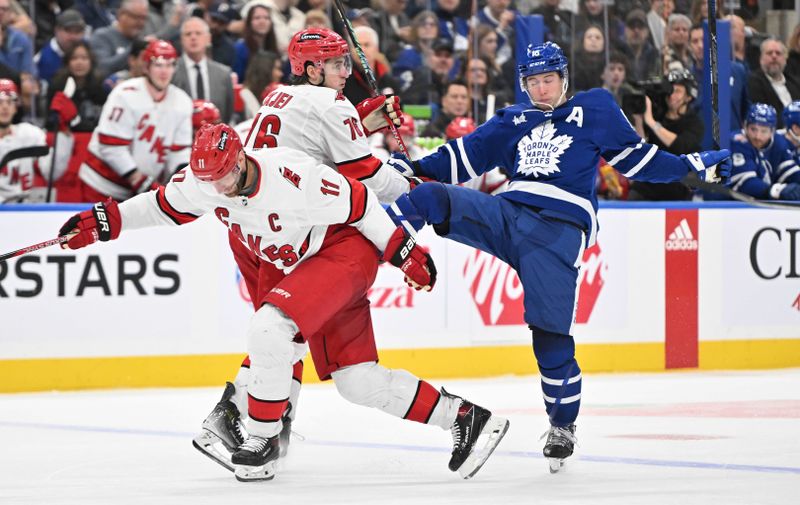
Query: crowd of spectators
[{"x": 233, "y": 52}]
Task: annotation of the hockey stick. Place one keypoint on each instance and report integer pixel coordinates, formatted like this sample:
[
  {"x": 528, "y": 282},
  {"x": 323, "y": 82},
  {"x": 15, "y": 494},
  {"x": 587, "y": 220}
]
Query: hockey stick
[
  {"x": 720, "y": 189},
  {"x": 24, "y": 152},
  {"x": 371, "y": 80},
  {"x": 34, "y": 248},
  {"x": 712, "y": 70}
]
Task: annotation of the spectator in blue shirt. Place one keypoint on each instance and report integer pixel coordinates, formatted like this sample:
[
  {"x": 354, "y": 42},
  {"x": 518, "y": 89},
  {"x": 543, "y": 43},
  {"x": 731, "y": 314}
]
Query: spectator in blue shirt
[{"x": 69, "y": 30}]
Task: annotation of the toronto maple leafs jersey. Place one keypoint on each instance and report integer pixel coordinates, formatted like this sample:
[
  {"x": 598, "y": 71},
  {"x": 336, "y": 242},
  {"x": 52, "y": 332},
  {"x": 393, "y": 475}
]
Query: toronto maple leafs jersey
[
  {"x": 795, "y": 149},
  {"x": 284, "y": 220},
  {"x": 322, "y": 123},
  {"x": 137, "y": 133},
  {"x": 756, "y": 170},
  {"x": 552, "y": 156}
]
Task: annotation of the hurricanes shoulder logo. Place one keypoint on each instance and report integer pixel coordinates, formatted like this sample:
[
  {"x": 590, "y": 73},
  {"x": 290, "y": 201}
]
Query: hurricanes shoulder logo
[{"x": 541, "y": 150}]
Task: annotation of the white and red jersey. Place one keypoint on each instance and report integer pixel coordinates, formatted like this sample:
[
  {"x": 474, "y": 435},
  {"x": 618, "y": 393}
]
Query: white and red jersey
[
  {"x": 17, "y": 177},
  {"x": 284, "y": 220},
  {"x": 322, "y": 123},
  {"x": 137, "y": 133}
]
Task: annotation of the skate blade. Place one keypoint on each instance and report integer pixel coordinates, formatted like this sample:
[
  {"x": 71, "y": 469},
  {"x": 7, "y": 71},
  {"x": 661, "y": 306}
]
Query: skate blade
[
  {"x": 210, "y": 445},
  {"x": 246, "y": 473},
  {"x": 556, "y": 464},
  {"x": 490, "y": 436}
]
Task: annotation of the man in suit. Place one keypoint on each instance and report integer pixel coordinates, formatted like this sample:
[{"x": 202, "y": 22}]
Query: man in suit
[
  {"x": 199, "y": 76},
  {"x": 769, "y": 84}
]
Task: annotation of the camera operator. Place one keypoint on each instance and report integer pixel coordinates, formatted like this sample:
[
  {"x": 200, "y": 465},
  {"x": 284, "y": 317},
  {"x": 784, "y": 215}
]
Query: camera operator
[{"x": 671, "y": 124}]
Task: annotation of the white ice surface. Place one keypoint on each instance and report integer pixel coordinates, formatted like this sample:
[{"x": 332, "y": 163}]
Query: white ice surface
[{"x": 718, "y": 438}]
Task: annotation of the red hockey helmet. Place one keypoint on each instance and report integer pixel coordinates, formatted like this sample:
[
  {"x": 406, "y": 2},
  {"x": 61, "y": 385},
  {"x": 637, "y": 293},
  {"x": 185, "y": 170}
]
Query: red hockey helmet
[
  {"x": 9, "y": 89},
  {"x": 407, "y": 129},
  {"x": 459, "y": 127},
  {"x": 159, "y": 50},
  {"x": 214, "y": 152},
  {"x": 315, "y": 45},
  {"x": 204, "y": 112}
]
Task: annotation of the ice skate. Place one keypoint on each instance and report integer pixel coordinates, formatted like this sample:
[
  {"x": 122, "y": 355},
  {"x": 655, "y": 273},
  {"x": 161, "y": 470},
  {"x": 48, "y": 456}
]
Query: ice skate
[
  {"x": 255, "y": 459},
  {"x": 476, "y": 433},
  {"x": 223, "y": 431},
  {"x": 559, "y": 446}
]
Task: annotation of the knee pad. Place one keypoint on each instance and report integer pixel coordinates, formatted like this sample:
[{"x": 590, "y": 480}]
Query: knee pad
[
  {"x": 269, "y": 337},
  {"x": 373, "y": 385},
  {"x": 561, "y": 375}
]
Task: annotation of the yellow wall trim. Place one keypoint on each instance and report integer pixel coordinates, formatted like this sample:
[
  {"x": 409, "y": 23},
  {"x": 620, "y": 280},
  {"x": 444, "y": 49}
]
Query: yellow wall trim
[{"x": 18, "y": 375}]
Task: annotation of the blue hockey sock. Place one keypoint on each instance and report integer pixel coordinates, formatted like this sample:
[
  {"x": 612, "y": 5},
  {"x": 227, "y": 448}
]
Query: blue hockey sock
[
  {"x": 427, "y": 203},
  {"x": 561, "y": 375}
]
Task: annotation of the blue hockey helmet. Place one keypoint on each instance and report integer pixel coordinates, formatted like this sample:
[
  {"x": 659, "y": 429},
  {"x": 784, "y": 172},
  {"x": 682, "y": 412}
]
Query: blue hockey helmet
[
  {"x": 763, "y": 114},
  {"x": 791, "y": 115},
  {"x": 547, "y": 57}
]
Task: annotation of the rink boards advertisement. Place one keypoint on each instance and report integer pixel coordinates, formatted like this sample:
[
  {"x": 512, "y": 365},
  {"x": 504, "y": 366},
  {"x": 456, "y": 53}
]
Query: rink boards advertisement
[{"x": 662, "y": 288}]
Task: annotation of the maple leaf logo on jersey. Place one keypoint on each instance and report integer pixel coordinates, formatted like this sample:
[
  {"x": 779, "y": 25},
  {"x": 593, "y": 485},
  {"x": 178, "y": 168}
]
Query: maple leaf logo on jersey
[{"x": 539, "y": 152}]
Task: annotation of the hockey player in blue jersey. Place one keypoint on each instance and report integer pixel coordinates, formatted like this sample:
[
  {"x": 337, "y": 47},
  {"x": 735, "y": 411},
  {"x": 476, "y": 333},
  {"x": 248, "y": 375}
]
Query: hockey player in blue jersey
[
  {"x": 542, "y": 223},
  {"x": 763, "y": 163},
  {"x": 791, "y": 124}
]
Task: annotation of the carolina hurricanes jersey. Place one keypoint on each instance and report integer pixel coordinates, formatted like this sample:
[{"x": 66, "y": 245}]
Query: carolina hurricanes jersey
[
  {"x": 137, "y": 133},
  {"x": 16, "y": 177},
  {"x": 322, "y": 123},
  {"x": 284, "y": 220}
]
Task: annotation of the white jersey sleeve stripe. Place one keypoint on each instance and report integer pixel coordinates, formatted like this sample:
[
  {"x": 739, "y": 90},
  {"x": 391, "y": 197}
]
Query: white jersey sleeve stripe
[
  {"x": 624, "y": 154},
  {"x": 642, "y": 163},
  {"x": 465, "y": 159},
  {"x": 453, "y": 165}
]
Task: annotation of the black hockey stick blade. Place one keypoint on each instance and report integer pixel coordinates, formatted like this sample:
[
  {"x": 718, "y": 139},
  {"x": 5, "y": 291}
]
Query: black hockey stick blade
[{"x": 24, "y": 152}]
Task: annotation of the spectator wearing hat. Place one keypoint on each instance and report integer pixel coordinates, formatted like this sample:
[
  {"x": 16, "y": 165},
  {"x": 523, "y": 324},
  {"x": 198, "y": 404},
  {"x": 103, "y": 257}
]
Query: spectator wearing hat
[
  {"x": 428, "y": 81},
  {"x": 360, "y": 17},
  {"x": 218, "y": 17},
  {"x": 200, "y": 77},
  {"x": 70, "y": 29},
  {"x": 644, "y": 60}
]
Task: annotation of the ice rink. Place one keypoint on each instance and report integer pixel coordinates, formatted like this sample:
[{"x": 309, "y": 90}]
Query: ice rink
[{"x": 673, "y": 438}]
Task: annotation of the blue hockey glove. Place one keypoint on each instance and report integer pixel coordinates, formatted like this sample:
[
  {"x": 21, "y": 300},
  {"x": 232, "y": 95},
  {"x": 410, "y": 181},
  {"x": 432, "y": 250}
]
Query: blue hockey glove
[
  {"x": 711, "y": 166},
  {"x": 402, "y": 164},
  {"x": 790, "y": 191}
]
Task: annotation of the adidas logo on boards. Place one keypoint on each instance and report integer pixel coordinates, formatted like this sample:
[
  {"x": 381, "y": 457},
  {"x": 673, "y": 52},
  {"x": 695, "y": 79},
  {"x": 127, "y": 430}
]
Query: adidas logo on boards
[{"x": 681, "y": 238}]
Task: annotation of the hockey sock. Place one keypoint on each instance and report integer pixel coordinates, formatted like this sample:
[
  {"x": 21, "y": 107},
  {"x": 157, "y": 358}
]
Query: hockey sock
[
  {"x": 294, "y": 392},
  {"x": 561, "y": 375}
]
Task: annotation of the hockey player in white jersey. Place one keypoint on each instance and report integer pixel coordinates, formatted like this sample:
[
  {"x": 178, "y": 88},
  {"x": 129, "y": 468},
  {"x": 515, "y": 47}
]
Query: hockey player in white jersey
[
  {"x": 17, "y": 177},
  {"x": 144, "y": 134},
  {"x": 320, "y": 234},
  {"x": 311, "y": 115}
]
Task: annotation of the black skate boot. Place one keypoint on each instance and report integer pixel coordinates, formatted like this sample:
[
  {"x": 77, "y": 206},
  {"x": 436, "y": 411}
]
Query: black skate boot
[
  {"x": 224, "y": 427},
  {"x": 476, "y": 433},
  {"x": 559, "y": 446},
  {"x": 286, "y": 431},
  {"x": 255, "y": 459}
]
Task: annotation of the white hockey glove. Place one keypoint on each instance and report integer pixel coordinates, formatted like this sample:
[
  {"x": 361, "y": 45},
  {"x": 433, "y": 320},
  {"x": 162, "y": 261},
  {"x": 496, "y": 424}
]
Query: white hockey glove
[
  {"x": 377, "y": 112},
  {"x": 788, "y": 191},
  {"x": 711, "y": 166}
]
